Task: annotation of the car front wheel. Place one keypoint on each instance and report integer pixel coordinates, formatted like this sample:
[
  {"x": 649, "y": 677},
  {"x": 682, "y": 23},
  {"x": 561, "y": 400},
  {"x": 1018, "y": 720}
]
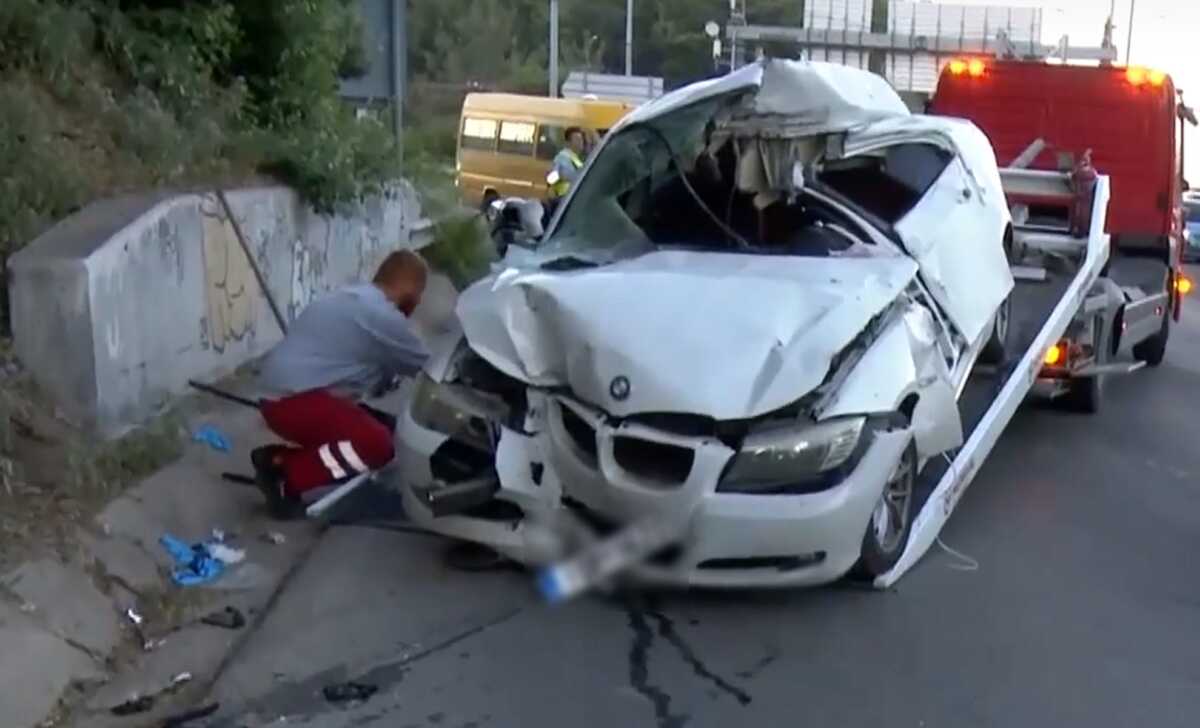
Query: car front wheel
[
  {"x": 995, "y": 351},
  {"x": 891, "y": 521}
]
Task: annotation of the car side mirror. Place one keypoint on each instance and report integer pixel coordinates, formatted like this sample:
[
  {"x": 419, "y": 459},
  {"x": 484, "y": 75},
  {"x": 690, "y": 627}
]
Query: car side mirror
[{"x": 515, "y": 221}]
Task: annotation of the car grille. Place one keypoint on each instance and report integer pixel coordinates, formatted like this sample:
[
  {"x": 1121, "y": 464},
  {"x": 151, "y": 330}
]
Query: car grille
[
  {"x": 655, "y": 464},
  {"x": 654, "y": 461},
  {"x": 581, "y": 432}
]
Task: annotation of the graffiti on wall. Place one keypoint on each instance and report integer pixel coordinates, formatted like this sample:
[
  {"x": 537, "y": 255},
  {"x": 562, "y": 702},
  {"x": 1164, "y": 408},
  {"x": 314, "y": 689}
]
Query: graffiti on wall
[{"x": 230, "y": 287}]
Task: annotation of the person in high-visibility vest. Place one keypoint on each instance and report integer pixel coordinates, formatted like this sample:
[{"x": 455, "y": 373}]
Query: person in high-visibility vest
[{"x": 568, "y": 163}]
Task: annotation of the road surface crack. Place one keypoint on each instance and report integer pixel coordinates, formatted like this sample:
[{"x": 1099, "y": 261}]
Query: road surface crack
[
  {"x": 666, "y": 628},
  {"x": 639, "y": 671}
]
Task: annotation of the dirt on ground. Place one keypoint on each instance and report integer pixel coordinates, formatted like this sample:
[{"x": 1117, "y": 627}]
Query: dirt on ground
[{"x": 54, "y": 477}]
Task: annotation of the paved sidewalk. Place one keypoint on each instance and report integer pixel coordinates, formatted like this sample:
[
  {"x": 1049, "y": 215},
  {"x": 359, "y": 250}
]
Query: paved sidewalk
[{"x": 67, "y": 629}]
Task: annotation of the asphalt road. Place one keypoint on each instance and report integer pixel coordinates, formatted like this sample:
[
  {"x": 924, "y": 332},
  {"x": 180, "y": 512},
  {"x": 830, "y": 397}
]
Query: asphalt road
[{"x": 1084, "y": 611}]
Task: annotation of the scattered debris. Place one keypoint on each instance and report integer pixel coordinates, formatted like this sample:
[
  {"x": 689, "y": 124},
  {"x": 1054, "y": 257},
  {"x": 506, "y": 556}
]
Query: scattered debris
[
  {"x": 180, "y": 719},
  {"x": 152, "y": 645},
  {"x": 8, "y": 471},
  {"x": 194, "y": 564},
  {"x": 228, "y": 618},
  {"x": 274, "y": 537},
  {"x": 238, "y": 478},
  {"x": 133, "y": 706},
  {"x": 226, "y": 554},
  {"x": 211, "y": 436},
  {"x": 218, "y": 536},
  {"x": 142, "y": 703},
  {"x": 349, "y": 692},
  {"x": 132, "y": 615},
  {"x": 28, "y": 608}
]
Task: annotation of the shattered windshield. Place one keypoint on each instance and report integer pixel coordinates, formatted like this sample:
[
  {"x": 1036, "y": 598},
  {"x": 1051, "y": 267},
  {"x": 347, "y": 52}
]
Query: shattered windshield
[
  {"x": 619, "y": 210},
  {"x": 673, "y": 182}
]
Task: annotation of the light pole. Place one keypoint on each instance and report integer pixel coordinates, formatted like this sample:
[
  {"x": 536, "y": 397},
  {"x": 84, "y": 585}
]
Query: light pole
[
  {"x": 628, "y": 37},
  {"x": 553, "y": 48},
  {"x": 1129, "y": 40}
]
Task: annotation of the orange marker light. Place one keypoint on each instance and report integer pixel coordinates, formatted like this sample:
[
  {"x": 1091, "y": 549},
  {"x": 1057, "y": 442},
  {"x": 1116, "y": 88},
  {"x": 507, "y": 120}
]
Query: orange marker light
[
  {"x": 976, "y": 67},
  {"x": 1183, "y": 285},
  {"x": 1157, "y": 78},
  {"x": 1136, "y": 76},
  {"x": 958, "y": 67},
  {"x": 1054, "y": 355}
]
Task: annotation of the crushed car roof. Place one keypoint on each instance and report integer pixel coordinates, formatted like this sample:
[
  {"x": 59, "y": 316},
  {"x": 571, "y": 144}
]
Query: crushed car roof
[{"x": 825, "y": 97}]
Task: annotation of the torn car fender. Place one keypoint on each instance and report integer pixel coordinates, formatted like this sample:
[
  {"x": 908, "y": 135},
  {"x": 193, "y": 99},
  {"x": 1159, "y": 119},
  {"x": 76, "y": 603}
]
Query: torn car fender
[
  {"x": 527, "y": 478},
  {"x": 903, "y": 362}
]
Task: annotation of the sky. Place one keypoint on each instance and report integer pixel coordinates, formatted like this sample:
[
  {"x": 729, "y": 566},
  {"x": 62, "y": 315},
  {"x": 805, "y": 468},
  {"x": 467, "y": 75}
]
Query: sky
[{"x": 1166, "y": 35}]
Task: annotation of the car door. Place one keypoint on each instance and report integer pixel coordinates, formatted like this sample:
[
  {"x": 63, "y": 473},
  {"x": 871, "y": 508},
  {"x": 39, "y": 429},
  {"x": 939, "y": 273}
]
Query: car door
[{"x": 955, "y": 231}]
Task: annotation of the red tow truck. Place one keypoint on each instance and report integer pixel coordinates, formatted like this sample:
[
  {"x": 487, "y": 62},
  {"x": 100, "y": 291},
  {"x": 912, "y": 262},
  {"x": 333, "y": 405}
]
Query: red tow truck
[{"x": 1130, "y": 121}]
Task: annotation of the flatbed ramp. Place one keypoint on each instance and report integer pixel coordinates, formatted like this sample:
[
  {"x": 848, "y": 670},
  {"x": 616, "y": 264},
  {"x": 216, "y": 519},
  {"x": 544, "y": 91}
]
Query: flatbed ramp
[{"x": 1042, "y": 311}]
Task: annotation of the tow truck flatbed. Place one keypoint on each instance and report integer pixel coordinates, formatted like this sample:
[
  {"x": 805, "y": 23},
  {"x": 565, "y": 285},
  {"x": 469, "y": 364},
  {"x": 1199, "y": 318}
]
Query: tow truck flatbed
[{"x": 1043, "y": 310}]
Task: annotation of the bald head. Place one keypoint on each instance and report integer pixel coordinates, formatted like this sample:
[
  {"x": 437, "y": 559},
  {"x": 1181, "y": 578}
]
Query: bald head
[{"x": 401, "y": 277}]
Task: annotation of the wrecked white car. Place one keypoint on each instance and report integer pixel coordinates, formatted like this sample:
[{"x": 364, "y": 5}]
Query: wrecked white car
[{"x": 751, "y": 319}]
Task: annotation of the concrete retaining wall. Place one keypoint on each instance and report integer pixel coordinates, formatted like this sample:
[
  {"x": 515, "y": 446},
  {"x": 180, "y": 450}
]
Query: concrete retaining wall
[{"x": 115, "y": 308}]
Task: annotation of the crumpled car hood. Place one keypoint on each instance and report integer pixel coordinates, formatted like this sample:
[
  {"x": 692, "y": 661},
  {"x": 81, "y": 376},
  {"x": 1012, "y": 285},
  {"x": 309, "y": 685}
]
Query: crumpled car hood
[{"x": 729, "y": 336}]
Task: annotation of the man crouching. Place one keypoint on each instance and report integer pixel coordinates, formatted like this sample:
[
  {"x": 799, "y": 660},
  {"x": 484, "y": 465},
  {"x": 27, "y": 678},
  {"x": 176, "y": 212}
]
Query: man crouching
[{"x": 345, "y": 346}]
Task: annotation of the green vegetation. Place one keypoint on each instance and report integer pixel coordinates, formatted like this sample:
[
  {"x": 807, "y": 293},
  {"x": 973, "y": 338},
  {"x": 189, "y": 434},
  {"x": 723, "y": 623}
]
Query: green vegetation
[
  {"x": 455, "y": 45},
  {"x": 104, "y": 97}
]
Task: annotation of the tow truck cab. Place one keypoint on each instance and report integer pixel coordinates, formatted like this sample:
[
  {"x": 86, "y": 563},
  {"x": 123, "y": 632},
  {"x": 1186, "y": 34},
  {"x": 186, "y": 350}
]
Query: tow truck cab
[{"x": 1130, "y": 118}]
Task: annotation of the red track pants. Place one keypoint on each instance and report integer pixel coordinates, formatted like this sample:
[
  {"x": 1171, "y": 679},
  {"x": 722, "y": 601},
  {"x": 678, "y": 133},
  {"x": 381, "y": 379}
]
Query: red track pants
[{"x": 336, "y": 439}]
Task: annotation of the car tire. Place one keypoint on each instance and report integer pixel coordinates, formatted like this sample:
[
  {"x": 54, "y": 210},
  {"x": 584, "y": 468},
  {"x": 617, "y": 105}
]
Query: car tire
[
  {"x": 883, "y": 544},
  {"x": 995, "y": 351},
  {"x": 1085, "y": 394},
  {"x": 1154, "y": 350}
]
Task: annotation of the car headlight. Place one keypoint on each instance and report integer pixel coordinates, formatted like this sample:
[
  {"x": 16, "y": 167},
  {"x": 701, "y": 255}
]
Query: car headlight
[
  {"x": 790, "y": 459},
  {"x": 455, "y": 411}
]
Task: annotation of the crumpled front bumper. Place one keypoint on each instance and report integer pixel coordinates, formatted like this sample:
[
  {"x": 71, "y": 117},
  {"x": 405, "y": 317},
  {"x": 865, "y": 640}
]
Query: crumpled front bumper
[{"x": 566, "y": 486}]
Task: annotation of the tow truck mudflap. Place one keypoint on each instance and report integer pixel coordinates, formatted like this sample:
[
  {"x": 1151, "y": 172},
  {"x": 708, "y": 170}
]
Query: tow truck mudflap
[{"x": 965, "y": 465}]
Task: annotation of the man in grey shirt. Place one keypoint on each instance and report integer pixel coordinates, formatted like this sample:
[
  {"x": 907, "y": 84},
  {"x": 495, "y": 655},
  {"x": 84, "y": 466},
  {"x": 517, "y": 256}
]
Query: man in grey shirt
[{"x": 352, "y": 343}]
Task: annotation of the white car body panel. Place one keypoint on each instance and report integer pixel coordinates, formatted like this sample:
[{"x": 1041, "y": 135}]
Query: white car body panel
[
  {"x": 951, "y": 232},
  {"x": 748, "y": 334},
  {"x": 904, "y": 362}
]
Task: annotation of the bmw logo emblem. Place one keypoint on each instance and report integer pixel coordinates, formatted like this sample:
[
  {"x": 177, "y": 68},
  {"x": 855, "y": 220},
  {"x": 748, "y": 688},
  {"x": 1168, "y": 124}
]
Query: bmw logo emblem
[{"x": 619, "y": 388}]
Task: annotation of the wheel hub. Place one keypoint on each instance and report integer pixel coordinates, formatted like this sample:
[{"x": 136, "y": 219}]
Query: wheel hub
[{"x": 890, "y": 518}]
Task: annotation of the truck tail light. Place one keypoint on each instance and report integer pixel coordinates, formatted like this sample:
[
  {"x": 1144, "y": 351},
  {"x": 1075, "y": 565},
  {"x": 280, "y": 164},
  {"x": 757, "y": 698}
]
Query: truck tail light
[{"x": 1055, "y": 355}]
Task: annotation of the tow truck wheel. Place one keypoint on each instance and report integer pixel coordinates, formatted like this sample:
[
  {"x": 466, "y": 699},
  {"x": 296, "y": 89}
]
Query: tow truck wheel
[
  {"x": 891, "y": 521},
  {"x": 1154, "y": 350},
  {"x": 1085, "y": 394},
  {"x": 995, "y": 351}
]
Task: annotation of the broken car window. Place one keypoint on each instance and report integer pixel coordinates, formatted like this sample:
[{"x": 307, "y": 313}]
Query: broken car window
[
  {"x": 889, "y": 183},
  {"x": 630, "y": 201}
]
